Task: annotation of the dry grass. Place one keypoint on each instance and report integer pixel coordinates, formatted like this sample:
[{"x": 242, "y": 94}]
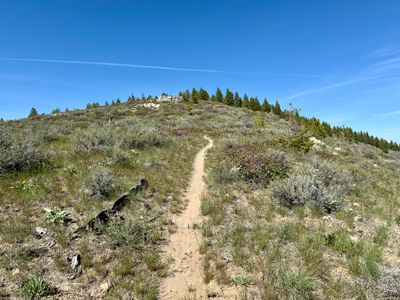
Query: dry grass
[{"x": 336, "y": 246}]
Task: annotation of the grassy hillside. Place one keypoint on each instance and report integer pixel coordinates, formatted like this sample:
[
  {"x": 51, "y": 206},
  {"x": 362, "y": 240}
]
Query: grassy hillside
[{"x": 285, "y": 218}]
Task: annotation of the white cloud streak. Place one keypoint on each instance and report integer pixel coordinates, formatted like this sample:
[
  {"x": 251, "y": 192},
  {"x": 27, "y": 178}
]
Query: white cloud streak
[
  {"x": 374, "y": 72},
  {"x": 389, "y": 114},
  {"x": 165, "y": 68}
]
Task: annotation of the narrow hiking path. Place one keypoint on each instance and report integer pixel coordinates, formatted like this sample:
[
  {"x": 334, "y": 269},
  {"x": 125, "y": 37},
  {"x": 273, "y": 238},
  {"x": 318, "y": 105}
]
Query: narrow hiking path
[{"x": 186, "y": 272}]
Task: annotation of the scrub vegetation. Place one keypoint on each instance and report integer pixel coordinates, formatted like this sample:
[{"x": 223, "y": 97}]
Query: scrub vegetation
[{"x": 286, "y": 216}]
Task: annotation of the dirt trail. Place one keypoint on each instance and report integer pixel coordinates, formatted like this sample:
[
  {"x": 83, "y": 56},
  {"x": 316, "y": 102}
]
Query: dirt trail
[{"x": 186, "y": 267}]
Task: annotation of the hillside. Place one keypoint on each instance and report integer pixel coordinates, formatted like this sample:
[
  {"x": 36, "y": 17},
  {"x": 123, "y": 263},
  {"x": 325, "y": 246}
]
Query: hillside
[{"x": 285, "y": 217}]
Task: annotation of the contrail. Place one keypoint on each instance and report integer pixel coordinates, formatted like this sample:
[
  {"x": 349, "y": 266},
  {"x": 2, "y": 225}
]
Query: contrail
[{"x": 125, "y": 65}]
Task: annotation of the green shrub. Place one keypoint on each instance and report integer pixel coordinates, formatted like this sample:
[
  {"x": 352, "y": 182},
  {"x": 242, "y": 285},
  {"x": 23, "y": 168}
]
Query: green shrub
[
  {"x": 133, "y": 233},
  {"x": 93, "y": 138},
  {"x": 57, "y": 215},
  {"x": 242, "y": 280},
  {"x": 139, "y": 137},
  {"x": 100, "y": 183},
  {"x": 258, "y": 167},
  {"x": 36, "y": 287},
  {"x": 18, "y": 152},
  {"x": 303, "y": 189},
  {"x": 296, "y": 284},
  {"x": 298, "y": 142}
]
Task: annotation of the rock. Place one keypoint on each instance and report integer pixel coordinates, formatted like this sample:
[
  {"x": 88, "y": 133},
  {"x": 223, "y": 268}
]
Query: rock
[
  {"x": 354, "y": 238},
  {"x": 105, "y": 286},
  {"x": 75, "y": 261},
  {"x": 358, "y": 219},
  {"x": 316, "y": 141},
  {"x": 356, "y": 204},
  {"x": 100, "y": 291},
  {"x": 15, "y": 272},
  {"x": 50, "y": 244},
  {"x": 168, "y": 98},
  {"x": 338, "y": 149},
  {"x": 326, "y": 218},
  {"x": 40, "y": 230}
]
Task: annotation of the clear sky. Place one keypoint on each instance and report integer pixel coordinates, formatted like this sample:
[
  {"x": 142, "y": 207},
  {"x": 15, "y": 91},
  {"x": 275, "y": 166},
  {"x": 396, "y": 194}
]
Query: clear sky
[{"x": 336, "y": 60}]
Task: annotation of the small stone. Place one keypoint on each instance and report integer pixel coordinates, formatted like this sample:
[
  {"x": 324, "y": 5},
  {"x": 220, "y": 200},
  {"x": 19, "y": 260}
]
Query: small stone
[
  {"x": 105, "y": 286},
  {"x": 15, "y": 272},
  {"x": 50, "y": 244},
  {"x": 40, "y": 230},
  {"x": 353, "y": 238},
  {"x": 356, "y": 204},
  {"x": 358, "y": 219},
  {"x": 75, "y": 261},
  {"x": 326, "y": 218}
]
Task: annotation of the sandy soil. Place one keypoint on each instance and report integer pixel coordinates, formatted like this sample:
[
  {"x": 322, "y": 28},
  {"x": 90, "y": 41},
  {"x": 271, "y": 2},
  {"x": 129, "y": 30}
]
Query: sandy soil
[{"x": 186, "y": 276}]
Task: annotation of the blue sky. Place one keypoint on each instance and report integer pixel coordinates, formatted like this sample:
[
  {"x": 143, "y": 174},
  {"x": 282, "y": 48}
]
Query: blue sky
[{"x": 336, "y": 60}]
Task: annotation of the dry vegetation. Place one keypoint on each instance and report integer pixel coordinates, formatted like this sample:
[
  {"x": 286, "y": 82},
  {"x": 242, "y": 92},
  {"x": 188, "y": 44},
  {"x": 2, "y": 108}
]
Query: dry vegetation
[
  {"x": 285, "y": 219},
  {"x": 290, "y": 221}
]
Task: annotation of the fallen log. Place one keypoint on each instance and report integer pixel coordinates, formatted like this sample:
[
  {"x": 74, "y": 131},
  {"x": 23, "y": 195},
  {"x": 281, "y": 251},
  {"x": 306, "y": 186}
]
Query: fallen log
[{"x": 104, "y": 216}]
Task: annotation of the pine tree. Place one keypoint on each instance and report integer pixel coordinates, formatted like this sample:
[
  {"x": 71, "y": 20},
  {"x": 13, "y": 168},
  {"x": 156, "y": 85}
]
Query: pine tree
[
  {"x": 34, "y": 113},
  {"x": 194, "y": 97},
  {"x": 237, "y": 100},
  {"x": 203, "y": 94},
  {"x": 254, "y": 104},
  {"x": 276, "y": 109},
  {"x": 266, "y": 106},
  {"x": 245, "y": 102},
  {"x": 229, "y": 98},
  {"x": 219, "y": 97},
  {"x": 106, "y": 104}
]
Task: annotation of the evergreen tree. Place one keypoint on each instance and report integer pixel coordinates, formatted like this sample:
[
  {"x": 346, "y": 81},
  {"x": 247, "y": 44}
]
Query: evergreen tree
[
  {"x": 245, "y": 102},
  {"x": 186, "y": 96},
  {"x": 34, "y": 113},
  {"x": 106, "y": 104},
  {"x": 113, "y": 103},
  {"x": 254, "y": 104},
  {"x": 266, "y": 106},
  {"x": 229, "y": 98},
  {"x": 219, "y": 97},
  {"x": 276, "y": 109},
  {"x": 203, "y": 94},
  {"x": 194, "y": 96},
  {"x": 237, "y": 100}
]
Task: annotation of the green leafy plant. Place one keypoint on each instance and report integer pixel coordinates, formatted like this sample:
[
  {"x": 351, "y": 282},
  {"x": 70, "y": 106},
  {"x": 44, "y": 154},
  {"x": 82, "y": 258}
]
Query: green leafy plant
[
  {"x": 56, "y": 215},
  {"x": 27, "y": 186},
  {"x": 36, "y": 287},
  {"x": 242, "y": 280}
]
